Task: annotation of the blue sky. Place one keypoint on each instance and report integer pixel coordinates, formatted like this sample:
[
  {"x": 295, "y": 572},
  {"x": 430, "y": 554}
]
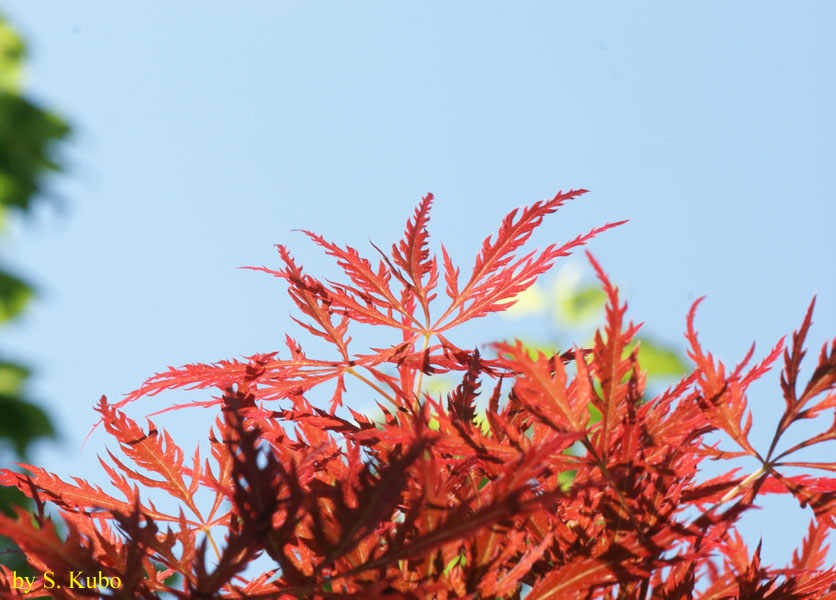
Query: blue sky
[{"x": 206, "y": 131}]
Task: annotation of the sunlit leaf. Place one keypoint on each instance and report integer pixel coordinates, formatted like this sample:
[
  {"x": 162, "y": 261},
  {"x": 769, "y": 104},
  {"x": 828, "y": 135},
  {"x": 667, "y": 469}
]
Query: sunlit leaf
[
  {"x": 11, "y": 55},
  {"x": 581, "y": 305},
  {"x": 659, "y": 360}
]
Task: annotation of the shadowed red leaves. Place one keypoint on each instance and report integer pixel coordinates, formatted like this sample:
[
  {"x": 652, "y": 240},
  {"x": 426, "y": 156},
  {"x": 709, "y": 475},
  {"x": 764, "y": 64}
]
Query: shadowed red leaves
[{"x": 543, "y": 477}]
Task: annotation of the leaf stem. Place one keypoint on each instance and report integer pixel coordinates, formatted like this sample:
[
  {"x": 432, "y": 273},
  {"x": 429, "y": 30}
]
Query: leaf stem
[
  {"x": 427, "y": 335},
  {"x": 214, "y": 545},
  {"x": 733, "y": 492},
  {"x": 372, "y": 385}
]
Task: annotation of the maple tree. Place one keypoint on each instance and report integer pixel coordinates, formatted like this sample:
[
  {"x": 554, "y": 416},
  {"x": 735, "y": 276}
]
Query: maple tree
[{"x": 431, "y": 502}]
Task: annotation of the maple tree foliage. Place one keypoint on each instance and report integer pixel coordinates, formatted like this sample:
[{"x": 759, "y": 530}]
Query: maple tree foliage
[{"x": 431, "y": 501}]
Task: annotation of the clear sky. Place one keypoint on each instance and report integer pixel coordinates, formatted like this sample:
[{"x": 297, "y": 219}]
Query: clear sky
[{"x": 206, "y": 131}]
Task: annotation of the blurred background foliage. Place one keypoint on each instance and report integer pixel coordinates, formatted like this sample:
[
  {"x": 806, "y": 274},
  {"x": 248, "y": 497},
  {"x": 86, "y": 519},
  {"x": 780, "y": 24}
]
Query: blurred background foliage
[
  {"x": 570, "y": 310},
  {"x": 29, "y": 144}
]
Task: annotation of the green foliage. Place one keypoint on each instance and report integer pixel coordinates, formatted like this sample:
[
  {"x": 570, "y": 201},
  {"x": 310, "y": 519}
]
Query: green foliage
[
  {"x": 14, "y": 294},
  {"x": 27, "y": 135},
  {"x": 571, "y": 308},
  {"x": 22, "y": 421},
  {"x": 28, "y": 138},
  {"x": 11, "y": 57},
  {"x": 661, "y": 361}
]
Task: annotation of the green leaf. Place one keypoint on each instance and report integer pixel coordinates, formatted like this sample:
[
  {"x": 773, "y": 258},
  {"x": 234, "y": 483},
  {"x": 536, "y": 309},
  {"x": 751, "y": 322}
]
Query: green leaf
[
  {"x": 529, "y": 302},
  {"x": 22, "y": 422},
  {"x": 534, "y": 347},
  {"x": 579, "y": 306},
  {"x": 14, "y": 294},
  {"x": 12, "y": 377},
  {"x": 11, "y": 57},
  {"x": 659, "y": 360},
  {"x": 566, "y": 478},
  {"x": 27, "y": 137},
  {"x": 458, "y": 559}
]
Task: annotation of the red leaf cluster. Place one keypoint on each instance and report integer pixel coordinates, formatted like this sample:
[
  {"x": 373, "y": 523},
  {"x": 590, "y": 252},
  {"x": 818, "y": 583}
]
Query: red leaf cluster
[{"x": 566, "y": 482}]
